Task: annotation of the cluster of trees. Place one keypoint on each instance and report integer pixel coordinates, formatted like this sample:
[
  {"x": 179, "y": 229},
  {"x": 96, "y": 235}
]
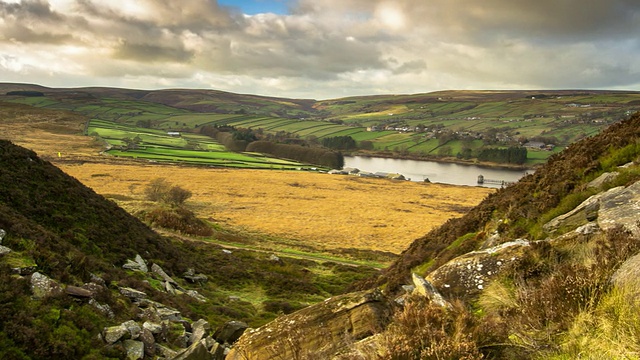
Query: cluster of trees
[
  {"x": 309, "y": 155},
  {"x": 340, "y": 143},
  {"x": 232, "y": 138},
  {"x": 510, "y": 155}
]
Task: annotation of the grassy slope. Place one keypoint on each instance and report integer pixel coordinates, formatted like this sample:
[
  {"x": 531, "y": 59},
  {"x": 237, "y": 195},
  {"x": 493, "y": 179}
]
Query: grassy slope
[
  {"x": 522, "y": 205},
  {"x": 522, "y": 113}
]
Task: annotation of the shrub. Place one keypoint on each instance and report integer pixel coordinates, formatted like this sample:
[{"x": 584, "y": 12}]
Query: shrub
[
  {"x": 423, "y": 330},
  {"x": 160, "y": 189}
]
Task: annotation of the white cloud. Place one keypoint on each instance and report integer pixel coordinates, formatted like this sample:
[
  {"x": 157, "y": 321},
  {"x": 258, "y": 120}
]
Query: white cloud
[{"x": 325, "y": 48}]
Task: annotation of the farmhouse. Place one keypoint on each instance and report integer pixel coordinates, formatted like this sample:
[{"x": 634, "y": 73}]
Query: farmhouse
[{"x": 173, "y": 133}]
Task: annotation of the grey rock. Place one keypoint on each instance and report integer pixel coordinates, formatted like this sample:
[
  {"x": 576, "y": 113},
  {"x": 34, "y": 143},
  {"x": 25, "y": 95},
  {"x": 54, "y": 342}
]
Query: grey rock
[
  {"x": 165, "y": 352},
  {"x": 152, "y": 327},
  {"x": 621, "y": 208},
  {"x": 196, "y": 295},
  {"x": 218, "y": 351},
  {"x": 197, "y": 351},
  {"x": 133, "y": 328},
  {"x": 469, "y": 274},
  {"x": 199, "y": 330},
  {"x": 42, "y": 286},
  {"x": 103, "y": 308},
  {"x": 615, "y": 207},
  {"x": 603, "y": 179},
  {"x": 134, "y": 349},
  {"x": 113, "y": 334},
  {"x": 132, "y": 294},
  {"x": 2, "y": 235},
  {"x": 138, "y": 264},
  {"x": 317, "y": 330},
  {"x": 274, "y": 258},
  {"x": 4, "y": 250},
  {"x": 230, "y": 332},
  {"x": 628, "y": 274},
  {"x": 170, "y": 314},
  {"x": 96, "y": 279},
  {"x": 149, "y": 342},
  {"x": 156, "y": 269},
  {"x": 226, "y": 251},
  {"x": 426, "y": 289}
]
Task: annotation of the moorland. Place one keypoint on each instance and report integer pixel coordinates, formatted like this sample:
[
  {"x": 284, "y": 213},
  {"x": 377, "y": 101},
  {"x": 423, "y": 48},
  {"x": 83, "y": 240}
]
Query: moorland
[{"x": 509, "y": 278}]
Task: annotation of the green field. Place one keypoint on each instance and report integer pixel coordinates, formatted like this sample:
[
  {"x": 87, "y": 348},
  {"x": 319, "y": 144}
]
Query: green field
[
  {"x": 156, "y": 145},
  {"x": 565, "y": 116}
]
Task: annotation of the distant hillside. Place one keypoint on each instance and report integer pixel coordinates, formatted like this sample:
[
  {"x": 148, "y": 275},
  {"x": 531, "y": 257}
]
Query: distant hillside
[{"x": 515, "y": 128}]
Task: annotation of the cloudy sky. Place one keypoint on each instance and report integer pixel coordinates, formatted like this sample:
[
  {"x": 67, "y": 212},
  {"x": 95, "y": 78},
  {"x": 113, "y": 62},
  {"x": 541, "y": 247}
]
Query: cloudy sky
[{"x": 322, "y": 49}]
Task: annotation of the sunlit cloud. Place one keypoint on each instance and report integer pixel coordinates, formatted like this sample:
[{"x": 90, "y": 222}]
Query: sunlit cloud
[{"x": 323, "y": 48}]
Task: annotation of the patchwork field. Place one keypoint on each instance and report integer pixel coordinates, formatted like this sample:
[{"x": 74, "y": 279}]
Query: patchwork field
[{"x": 296, "y": 209}]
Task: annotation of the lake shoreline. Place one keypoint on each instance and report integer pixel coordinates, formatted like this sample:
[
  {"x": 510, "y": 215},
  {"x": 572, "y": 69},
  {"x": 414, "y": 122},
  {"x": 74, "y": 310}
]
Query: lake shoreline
[{"x": 488, "y": 165}]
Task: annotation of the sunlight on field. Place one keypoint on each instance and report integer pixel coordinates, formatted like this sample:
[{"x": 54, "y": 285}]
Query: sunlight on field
[
  {"x": 324, "y": 211},
  {"x": 319, "y": 210}
]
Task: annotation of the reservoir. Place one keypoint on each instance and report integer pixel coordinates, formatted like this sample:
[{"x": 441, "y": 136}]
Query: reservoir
[{"x": 447, "y": 173}]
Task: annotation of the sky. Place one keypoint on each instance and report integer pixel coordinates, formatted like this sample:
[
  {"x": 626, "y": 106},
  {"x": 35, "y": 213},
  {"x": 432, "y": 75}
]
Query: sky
[{"x": 322, "y": 49}]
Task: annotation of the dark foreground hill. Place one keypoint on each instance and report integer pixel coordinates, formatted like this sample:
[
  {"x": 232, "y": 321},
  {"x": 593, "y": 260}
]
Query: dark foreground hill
[{"x": 81, "y": 278}]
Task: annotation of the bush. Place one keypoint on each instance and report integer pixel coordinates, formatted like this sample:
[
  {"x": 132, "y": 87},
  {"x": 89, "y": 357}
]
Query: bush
[
  {"x": 160, "y": 189},
  {"x": 423, "y": 330}
]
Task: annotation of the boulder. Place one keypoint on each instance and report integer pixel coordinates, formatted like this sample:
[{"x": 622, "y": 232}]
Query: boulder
[
  {"x": 468, "y": 274},
  {"x": 154, "y": 328},
  {"x": 134, "y": 349},
  {"x": 158, "y": 270},
  {"x": 138, "y": 264},
  {"x": 113, "y": 334},
  {"x": 321, "y": 330},
  {"x": 197, "y": 351},
  {"x": 78, "y": 292},
  {"x": 42, "y": 286},
  {"x": 199, "y": 330},
  {"x": 628, "y": 275},
  {"x": 4, "y": 250},
  {"x": 614, "y": 207},
  {"x": 426, "y": 289},
  {"x": 230, "y": 332},
  {"x": 603, "y": 179},
  {"x": 218, "y": 351},
  {"x": 132, "y": 294},
  {"x": 133, "y": 328},
  {"x": 149, "y": 342},
  {"x": 165, "y": 352},
  {"x": 196, "y": 295}
]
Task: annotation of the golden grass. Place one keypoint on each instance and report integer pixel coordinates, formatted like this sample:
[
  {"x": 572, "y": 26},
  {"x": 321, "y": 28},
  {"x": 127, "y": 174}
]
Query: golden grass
[{"x": 320, "y": 210}]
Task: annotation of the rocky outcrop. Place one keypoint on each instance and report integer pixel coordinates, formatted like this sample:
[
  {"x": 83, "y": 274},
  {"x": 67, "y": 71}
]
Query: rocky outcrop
[
  {"x": 603, "y": 179},
  {"x": 615, "y": 207},
  {"x": 469, "y": 274},
  {"x": 424, "y": 288},
  {"x": 322, "y": 329}
]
